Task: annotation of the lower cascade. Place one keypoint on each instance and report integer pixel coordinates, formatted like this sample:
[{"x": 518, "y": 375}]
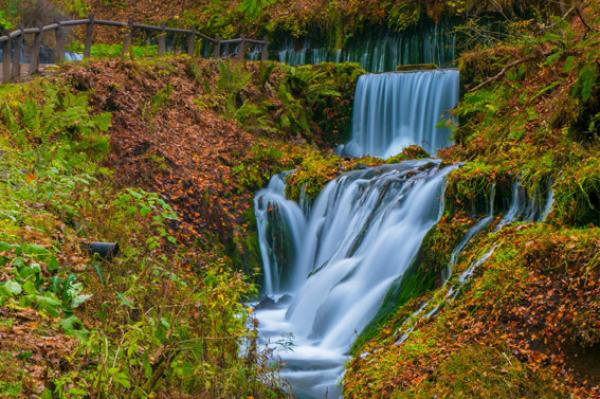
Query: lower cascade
[
  {"x": 329, "y": 264},
  {"x": 395, "y": 110}
]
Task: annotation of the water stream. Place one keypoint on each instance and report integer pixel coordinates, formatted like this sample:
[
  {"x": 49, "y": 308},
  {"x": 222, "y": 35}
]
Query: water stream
[
  {"x": 361, "y": 234},
  {"x": 329, "y": 263}
]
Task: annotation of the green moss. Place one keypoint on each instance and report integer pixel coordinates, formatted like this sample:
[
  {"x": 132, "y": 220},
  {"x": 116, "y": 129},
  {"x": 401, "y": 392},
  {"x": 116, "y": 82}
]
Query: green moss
[
  {"x": 264, "y": 161},
  {"x": 577, "y": 194},
  {"x": 315, "y": 171},
  {"x": 470, "y": 186},
  {"x": 410, "y": 152},
  {"x": 485, "y": 373}
]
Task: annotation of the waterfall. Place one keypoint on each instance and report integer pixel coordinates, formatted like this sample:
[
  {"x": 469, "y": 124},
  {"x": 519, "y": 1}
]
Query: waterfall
[
  {"x": 377, "y": 50},
  {"x": 329, "y": 264},
  {"x": 280, "y": 227},
  {"x": 360, "y": 235},
  {"x": 522, "y": 207},
  {"x": 395, "y": 110}
]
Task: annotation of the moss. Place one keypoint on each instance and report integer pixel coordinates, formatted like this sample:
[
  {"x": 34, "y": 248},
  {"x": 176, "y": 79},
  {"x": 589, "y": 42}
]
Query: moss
[
  {"x": 410, "y": 152},
  {"x": 315, "y": 171},
  {"x": 487, "y": 373},
  {"x": 470, "y": 186},
  {"x": 243, "y": 250},
  {"x": 577, "y": 194},
  {"x": 415, "y": 67}
]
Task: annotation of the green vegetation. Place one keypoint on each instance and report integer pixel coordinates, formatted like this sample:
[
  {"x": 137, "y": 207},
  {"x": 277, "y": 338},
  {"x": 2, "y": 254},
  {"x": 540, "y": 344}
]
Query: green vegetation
[
  {"x": 4, "y": 22},
  {"x": 100, "y": 50},
  {"x": 160, "y": 317},
  {"x": 315, "y": 171},
  {"x": 314, "y": 102},
  {"x": 483, "y": 372},
  {"x": 163, "y": 156}
]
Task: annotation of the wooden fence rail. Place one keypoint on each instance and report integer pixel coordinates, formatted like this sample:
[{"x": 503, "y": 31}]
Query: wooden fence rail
[{"x": 13, "y": 42}]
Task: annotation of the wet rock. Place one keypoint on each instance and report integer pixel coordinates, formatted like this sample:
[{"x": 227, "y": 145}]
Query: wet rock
[{"x": 266, "y": 303}]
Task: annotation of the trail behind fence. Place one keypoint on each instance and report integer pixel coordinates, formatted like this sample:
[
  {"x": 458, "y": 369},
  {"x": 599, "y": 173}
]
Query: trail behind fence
[{"x": 13, "y": 44}]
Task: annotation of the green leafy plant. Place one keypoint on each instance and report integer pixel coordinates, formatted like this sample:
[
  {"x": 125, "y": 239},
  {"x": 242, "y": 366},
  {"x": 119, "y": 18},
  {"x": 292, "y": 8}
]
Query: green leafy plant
[
  {"x": 5, "y": 24},
  {"x": 138, "y": 203},
  {"x": 35, "y": 282}
]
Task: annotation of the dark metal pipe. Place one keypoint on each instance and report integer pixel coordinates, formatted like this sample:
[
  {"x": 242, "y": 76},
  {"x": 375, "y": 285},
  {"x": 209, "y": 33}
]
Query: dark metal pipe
[{"x": 105, "y": 250}]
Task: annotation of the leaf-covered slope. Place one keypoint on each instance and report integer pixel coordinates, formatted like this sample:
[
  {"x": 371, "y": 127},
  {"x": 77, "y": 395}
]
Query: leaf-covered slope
[{"x": 208, "y": 134}]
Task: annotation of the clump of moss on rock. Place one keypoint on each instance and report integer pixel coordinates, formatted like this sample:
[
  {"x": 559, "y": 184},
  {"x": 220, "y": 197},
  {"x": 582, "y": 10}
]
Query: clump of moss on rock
[{"x": 470, "y": 187}]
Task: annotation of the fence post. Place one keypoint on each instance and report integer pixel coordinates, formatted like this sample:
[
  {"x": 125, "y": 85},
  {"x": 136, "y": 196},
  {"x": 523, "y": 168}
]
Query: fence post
[
  {"x": 34, "y": 62},
  {"x": 6, "y": 60},
  {"x": 241, "y": 49},
  {"x": 217, "y": 50},
  {"x": 60, "y": 43},
  {"x": 128, "y": 37},
  {"x": 191, "y": 43},
  {"x": 162, "y": 41},
  {"x": 265, "y": 51},
  {"x": 16, "y": 68},
  {"x": 89, "y": 34}
]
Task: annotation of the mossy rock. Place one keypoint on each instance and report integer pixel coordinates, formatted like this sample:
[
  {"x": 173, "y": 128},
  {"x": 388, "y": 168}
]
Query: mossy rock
[
  {"x": 410, "y": 152},
  {"x": 470, "y": 186},
  {"x": 416, "y": 67}
]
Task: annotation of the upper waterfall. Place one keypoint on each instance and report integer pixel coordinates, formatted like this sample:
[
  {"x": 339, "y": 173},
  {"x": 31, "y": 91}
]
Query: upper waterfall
[
  {"x": 395, "y": 110},
  {"x": 377, "y": 50}
]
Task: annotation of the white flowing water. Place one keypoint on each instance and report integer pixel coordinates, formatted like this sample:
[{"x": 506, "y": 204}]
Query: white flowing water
[
  {"x": 360, "y": 235},
  {"x": 378, "y": 51},
  {"x": 522, "y": 207},
  {"x": 527, "y": 206},
  {"x": 395, "y": 110},
  {"x": 281, "y": 225}
]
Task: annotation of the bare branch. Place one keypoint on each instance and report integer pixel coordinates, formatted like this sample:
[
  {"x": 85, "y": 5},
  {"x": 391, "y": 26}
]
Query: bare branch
[
  {"x": 506, "y": 68},
  {"x": 583, "y": 21}
]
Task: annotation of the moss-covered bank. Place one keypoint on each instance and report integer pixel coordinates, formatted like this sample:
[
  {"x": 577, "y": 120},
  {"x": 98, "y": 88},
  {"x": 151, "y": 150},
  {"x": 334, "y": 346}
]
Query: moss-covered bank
[{"x": 522, "y": 326}]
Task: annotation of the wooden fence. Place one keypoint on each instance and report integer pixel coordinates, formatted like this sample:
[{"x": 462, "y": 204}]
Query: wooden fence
[{"x": 13, "y": 42}]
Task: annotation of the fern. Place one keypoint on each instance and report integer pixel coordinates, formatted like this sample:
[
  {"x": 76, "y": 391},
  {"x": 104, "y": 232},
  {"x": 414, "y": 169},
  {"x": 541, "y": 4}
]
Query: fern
[
  {"x": 252, "y": 9},
  {"x": 58, "y": 115},
  {"x": 586, "y": 82}
]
